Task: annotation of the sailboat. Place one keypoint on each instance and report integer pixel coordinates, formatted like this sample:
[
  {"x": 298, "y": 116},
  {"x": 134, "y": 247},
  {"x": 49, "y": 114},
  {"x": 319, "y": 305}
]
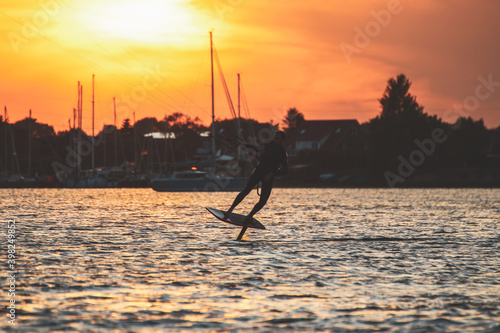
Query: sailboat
[
  {"x": 95, "y": 177},
  {"x": 197, "y": 180}
]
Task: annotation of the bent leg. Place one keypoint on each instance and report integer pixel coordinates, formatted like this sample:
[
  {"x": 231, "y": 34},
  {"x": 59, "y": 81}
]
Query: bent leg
[
  {"x": 252, "y": 181},
  {"x": 267, "y": 186}
]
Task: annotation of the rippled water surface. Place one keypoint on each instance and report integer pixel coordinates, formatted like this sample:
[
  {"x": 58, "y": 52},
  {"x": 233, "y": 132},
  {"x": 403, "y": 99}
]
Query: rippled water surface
[{"x": 344, "y": 260}]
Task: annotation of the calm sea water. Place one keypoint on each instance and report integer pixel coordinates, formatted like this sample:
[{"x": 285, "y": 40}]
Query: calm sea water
[{"x": 343, "y": 260}]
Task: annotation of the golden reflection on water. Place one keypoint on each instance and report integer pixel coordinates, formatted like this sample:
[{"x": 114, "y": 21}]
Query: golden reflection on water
[{"x": 350, "y": 259}]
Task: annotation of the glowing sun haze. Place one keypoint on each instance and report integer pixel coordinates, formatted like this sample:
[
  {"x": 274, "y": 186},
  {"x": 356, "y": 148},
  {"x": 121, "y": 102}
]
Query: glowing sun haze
[
  {"x": 150, "y": 21},
  {"x": 329, "y": 59}
]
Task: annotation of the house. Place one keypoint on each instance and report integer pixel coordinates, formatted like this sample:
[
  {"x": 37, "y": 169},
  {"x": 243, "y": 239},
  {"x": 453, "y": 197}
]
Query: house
[
  {"x": 329, "y": 136},
  {"x": 326, "y": 147}
]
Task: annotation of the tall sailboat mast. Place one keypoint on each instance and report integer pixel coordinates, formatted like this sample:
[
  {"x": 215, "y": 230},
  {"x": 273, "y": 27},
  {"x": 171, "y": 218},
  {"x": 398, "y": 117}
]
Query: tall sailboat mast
[
  {"x": 116, "y": 130},
  {"x": 240, "y": 133},
  {"x": 80, "y": 118},
  {"x": 14, "y": 153},
  {"x": 29, "y": 147},
  {"x": 239, "y": 115},
  {"x": 135, "y": 143},
  {"x": 5, "y": 131},
  {"x": 213, "y": 105},
  {"x": 93, "y": 75}
]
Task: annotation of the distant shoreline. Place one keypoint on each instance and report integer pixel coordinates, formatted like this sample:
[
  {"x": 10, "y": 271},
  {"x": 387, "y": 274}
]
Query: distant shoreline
[{"x": 281, "y": 184}]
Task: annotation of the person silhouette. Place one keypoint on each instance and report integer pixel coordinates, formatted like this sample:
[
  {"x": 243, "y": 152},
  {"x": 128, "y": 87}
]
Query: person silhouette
[{"x": 273, "y": 161}]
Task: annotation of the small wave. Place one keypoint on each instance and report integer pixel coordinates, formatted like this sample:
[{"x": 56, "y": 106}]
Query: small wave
[
  {"x": 373, "y": 239},
  {"x": 285, "y": 296},
  {"x": 348, "y": 239},
  {"x": 183, "y": 313},
  {"x": 180, "y": 284},
  {"x": 372, "y": 307},
  {"x": 234, "y": 286},
  {"x": 288, "y": 320}
]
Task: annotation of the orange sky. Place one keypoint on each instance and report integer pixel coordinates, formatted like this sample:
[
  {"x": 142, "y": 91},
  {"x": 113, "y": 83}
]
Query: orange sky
[{"x": 329, "y": 59}]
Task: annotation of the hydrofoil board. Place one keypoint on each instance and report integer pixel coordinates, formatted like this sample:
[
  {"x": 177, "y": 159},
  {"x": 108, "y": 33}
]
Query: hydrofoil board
[{"x": 236, "y": 219}]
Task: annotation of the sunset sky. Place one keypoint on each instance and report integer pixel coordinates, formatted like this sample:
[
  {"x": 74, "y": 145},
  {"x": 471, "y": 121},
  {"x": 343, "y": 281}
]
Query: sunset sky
[{"x": 329, "y": 59}]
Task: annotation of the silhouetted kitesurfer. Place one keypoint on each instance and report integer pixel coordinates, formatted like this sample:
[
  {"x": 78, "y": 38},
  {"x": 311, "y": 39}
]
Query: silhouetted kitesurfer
[{"x": 273, "y": 161}]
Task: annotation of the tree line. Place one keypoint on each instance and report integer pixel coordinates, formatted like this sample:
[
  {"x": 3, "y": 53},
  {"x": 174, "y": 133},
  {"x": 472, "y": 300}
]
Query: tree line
[
  {"x": 112, "y": 146},
  {"x": 31, "y": 148},
  {"x": 401, "y": 138},
  {"x": 404, "y": 141}
]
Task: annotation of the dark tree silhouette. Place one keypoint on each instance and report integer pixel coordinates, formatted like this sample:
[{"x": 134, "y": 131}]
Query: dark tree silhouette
[
  {"x": 401, "y": 122},
  {"x": 467, "y": 145},
  {"x": 397, "y": 99},
  {"x": 293, "y": 119},
  {"x": 126, "y": 127},
  {"x": 187, "y": 134},
  {"x": 38, "y": 130},
  {"x": 180, "y": 123},
  {"x": 146, "y": 125}
]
